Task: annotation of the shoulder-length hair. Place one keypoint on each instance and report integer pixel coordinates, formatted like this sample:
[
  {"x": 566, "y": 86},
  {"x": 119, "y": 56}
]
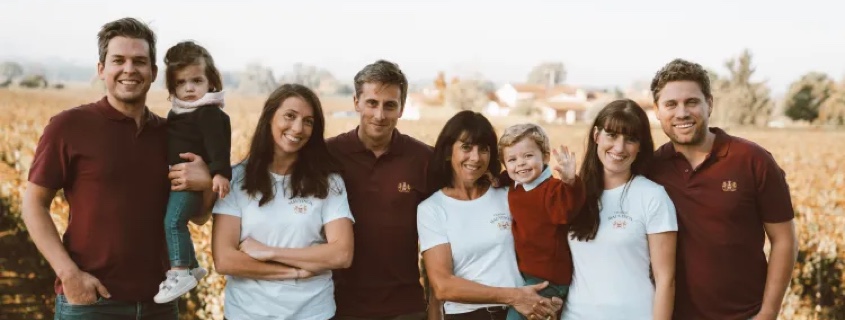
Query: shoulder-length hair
[
  {"x": 310, "y": 172},
  {"x": 468, "y": 127},
  {"x": 623, "y": 117}
]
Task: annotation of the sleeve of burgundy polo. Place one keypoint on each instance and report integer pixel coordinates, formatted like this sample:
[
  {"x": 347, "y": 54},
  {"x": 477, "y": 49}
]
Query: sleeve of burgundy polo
[
  {"x": 52, "y": 157},
  {"x": 773, "y": 197}
]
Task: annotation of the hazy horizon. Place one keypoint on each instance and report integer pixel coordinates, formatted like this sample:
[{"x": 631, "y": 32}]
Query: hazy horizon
[{"x": 602, "y": 43}]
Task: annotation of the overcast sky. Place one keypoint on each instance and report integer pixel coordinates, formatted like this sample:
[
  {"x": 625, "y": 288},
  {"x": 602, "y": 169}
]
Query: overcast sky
[{"x": 601, "y": 42}]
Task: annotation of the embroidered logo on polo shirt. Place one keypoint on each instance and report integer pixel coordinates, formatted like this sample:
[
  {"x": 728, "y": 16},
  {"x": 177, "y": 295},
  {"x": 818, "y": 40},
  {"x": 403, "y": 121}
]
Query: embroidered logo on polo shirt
[
  {"x": 299, "y": 205},
  {"x": 728, "y": 186},
  {"x": 404, "y": 187}
]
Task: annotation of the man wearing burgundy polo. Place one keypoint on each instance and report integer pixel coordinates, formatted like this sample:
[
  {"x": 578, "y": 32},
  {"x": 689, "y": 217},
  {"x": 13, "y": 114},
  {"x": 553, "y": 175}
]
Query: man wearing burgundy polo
[
  {"x": 384, "y": 172},
  {"x": 110, "y": 158},
  {"x": 730, "y": 194}
]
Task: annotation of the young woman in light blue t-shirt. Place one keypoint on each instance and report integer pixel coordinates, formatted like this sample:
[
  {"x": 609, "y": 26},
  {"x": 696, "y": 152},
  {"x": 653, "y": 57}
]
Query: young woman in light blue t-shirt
[
  {"x": 627, "y": 227},
  {"x": 286, "y": 223}
]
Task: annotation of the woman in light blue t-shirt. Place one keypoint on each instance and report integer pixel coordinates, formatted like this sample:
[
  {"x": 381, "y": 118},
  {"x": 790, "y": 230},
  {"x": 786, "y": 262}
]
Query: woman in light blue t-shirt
[
  {"x": 286, "y": 223},
  {"x": 627, "y": 227}
]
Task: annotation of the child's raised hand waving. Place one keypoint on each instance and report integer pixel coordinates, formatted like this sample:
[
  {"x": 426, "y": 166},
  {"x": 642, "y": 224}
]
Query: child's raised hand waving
[{"x": 565, "y": 166}]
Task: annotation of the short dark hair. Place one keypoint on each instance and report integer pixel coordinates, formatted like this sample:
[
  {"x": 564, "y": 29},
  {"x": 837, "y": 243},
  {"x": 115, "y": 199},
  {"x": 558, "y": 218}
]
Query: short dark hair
[
  {"x": 681, "y": 70},
  {"x": 384, "y": 72},
  {"x": 126, "y": 27},
  {"x": 188, "y": 53},
  {"x": 310, "y": 173},
  {"x": 469, "y": 127}
]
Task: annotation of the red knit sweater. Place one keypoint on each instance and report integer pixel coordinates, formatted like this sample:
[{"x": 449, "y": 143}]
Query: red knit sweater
[{"x": 540, "y": 230}]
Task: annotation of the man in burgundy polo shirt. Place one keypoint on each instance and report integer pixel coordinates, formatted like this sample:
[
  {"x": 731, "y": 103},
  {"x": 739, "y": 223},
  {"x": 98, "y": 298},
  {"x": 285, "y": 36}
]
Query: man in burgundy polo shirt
[
  {"x": 729, "y": 194},
  {"x": 110, "y": 158},
  {"x": 384, "y": 172}
]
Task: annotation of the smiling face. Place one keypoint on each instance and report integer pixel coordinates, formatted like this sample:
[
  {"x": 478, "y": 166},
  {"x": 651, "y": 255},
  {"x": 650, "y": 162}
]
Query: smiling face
[
  {"x": 524, "y": 160},
  {"x": 616, "y": 152},
  {"x": 684, "y": 113},
  {"x": 127, "y": 70},
  {"x": 292, "y": 125},
  {"x": 469, "y": 162},
  {"x": 380, "y": 108}
]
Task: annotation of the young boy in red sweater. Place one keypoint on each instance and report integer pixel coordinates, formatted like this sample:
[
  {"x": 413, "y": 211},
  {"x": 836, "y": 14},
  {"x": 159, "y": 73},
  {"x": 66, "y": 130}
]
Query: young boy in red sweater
[{"x": 541, "y": 206}]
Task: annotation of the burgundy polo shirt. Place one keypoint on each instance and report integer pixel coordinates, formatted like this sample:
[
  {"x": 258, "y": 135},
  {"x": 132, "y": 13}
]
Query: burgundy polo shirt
[
  {"x": 383, "y": 193},
  {"x": 721, "y": 206},
  {"x": 115, "y": 181}
]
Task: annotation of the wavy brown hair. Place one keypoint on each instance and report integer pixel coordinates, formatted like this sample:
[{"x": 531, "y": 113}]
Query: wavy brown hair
[
  {"x": 310, "y": 172},
  {"x": 623, "y": 117}
]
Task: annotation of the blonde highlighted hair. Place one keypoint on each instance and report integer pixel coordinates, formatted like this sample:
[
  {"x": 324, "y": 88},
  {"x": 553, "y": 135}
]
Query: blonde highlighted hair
[{"x": 516, "y": 133}]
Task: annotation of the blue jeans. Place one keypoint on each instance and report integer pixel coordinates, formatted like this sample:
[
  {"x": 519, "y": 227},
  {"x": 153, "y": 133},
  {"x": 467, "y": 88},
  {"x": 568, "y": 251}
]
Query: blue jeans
[
  {"x": 105, "y": 309},
  {"x": 552, "y": 290},
  {"x": 180, "y": 207}
]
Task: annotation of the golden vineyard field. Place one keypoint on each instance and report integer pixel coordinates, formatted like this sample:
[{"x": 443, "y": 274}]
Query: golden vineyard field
[{"x": 811, "y": 159}]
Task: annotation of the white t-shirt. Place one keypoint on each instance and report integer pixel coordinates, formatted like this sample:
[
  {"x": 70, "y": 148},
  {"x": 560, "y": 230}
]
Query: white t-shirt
[
  {"x": 611, "y": 276},
  {"x": 479, "y": 233},
  {"x": 283, "y": 223}
]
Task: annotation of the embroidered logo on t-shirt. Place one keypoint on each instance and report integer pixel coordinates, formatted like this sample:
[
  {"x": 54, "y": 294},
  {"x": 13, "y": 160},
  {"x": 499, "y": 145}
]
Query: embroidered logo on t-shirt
[
  {"x": 728, "y": 186},
  {"x": 501, "y": 221},
  {"x": 299, "y": 205},
  {"x": 404, "y": 187},
  {"x": 620, "y": 220}
]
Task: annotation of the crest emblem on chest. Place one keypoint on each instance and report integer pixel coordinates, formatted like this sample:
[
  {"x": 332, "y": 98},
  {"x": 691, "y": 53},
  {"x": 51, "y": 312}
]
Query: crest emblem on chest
[
  {"x": 620, "y": 224},
  {"x": 300, "y": 205},
  {"x": 404, "y": 187},
  {"x": 728, "y": 186}
]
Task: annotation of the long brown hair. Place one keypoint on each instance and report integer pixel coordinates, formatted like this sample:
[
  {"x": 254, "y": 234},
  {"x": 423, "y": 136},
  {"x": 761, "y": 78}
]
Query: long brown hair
[
  {"x": 310, "y": 173},
  {"x": 623, "y": 117}
]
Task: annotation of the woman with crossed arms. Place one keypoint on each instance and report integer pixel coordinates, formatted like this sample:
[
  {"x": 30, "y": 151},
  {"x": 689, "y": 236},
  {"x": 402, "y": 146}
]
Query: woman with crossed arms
[{"x": 286, "y": 223}]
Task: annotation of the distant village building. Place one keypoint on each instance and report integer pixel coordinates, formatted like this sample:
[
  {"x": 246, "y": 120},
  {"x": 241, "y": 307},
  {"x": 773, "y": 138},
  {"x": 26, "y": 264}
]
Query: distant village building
[{"x": 555, "y": 103}]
